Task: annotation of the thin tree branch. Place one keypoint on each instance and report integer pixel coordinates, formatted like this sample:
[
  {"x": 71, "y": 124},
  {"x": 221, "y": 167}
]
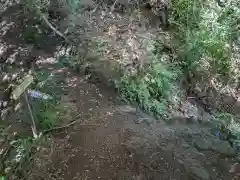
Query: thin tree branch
[
  {"x": 53, "y": 28},
  {"x": 6, "y": 3},
  {"x": 4, "y": 7},
  {"x": 68, "y": 125},
  {"x": 114, "y": 4}
]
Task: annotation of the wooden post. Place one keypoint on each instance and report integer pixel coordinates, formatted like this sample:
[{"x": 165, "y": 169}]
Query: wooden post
[
  {"x": 33, "y": 127},
  {"x": 18, "y": 91}
]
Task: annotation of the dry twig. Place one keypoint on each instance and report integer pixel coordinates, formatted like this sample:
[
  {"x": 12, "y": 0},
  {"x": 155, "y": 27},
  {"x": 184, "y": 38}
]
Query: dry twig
[
  {"x": 113, "y": 6},
  {"x": 53, "y": 28},
  {"x": 68, "y": 125}
]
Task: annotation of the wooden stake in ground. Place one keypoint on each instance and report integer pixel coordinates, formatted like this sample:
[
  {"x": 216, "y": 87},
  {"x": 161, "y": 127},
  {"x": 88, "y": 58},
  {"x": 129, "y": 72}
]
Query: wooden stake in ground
[
  {"x": 18, "y": 91},
  {"x": 34, "y": 127}
]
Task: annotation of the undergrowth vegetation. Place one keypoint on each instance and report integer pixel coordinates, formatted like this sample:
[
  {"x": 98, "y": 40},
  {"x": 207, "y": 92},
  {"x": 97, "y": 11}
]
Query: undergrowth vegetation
[
  {"x": 47, "y": 109},
  {"x": 17, "y": 158},
  {"x": 228, "y": 128},
  {"x": 206, "y": 32},
  {"x": 46, "y": 113},
  {"x": 150, "y": 88},
  {"x": 18, "y": 145}
]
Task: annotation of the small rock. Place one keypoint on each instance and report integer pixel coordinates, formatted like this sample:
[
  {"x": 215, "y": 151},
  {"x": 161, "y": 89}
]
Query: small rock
[
  {"x": 235, "y": 170},
  {"x": 190, "y": 110},
  {"x": 3, "y": 104},
  {"x": 238, "y": 158},
  {"x": 218, "y": 145},
  {"x": 148, "y": 121},
  {"x": 138, "y": 120},
  {"x": 223, "y": 147},
  {"x": 198, "y": 172},
  {"x": 202, "y": 144},
  {"x": 126, "y": 109},
  {"x": 189, "y": 155},
  {"x": 143, "y": 117},
  {"x": 222, "y": 164}
]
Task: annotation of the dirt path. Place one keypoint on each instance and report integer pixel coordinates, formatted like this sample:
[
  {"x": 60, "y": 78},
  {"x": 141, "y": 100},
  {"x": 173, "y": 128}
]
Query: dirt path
[
  {"x": 107, "y": 144},
  {"x": 99, "y": 150}
]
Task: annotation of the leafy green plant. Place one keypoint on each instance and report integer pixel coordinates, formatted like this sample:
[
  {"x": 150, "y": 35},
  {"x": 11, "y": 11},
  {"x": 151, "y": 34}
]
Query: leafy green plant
[
  {"x": 32, "y": 33},
  {"x": 16, "y": 157},
  {"x": 46, "y": 113},
  {"x": 76, "y": 62},
  {"x": 205, "y": 35},
  {"x": 19, "y": 159},
  {"x": 228, "y": 128},
  {"x": 150, "y": 89},
  {"x": 40, "y": 5},
  {"x": 185, "y": 13},
  {"x": 73, "y": 4}
]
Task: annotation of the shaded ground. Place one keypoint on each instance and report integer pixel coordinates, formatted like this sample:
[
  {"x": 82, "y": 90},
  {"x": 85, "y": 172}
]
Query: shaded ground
[
  {"x": 107, "y": 144},
  {"x": 22, "y": 46},
  {"x": 97, "y": 150}
]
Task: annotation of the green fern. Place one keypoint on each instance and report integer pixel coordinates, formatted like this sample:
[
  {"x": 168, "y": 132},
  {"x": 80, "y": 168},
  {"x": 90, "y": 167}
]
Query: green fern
[{"x": 149, "y": 90}]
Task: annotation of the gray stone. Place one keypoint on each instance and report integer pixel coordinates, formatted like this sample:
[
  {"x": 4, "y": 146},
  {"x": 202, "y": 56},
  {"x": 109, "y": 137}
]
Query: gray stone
[
  {"x": 212, "y": 143},
  {"x": 223, "y": 147},
  {"x": 190, "y": 110},
  {"x": 143, "y": 117},
  {"x": 238, "y": 157},
  {"x": 202, "y": 144},
  {"x": 189, "y": 155},
  {"x": 126, "y": 109},
  {"x": 198, "y": 173}
]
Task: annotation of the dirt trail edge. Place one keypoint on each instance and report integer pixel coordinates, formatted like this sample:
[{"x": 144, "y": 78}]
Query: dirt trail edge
[{"x": 108, "y": 144}]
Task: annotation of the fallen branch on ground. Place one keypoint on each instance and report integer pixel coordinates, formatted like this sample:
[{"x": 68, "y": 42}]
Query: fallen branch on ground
[
  {"x": 67, "y": 126},
  {"x": 53, "y": 28},
  {"x": 114, "y": 4}
]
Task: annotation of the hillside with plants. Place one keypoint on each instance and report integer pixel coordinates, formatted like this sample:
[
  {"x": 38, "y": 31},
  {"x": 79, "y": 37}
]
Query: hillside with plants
[{"x": 120, "y": 89}]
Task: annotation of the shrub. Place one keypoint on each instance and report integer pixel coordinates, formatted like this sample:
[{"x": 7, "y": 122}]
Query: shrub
[
  {"x": 149, "y": 89},
  {"x": 205, "y": 34},
  {"x": 228, "y": 128},
  {"x": 46, "y": 113}
]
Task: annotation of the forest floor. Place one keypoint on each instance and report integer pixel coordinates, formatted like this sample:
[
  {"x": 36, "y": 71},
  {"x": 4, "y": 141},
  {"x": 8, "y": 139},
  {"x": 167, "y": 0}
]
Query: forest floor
[
  {"x": 109, "y": 139},
  {"x": 107, "y": 143}
]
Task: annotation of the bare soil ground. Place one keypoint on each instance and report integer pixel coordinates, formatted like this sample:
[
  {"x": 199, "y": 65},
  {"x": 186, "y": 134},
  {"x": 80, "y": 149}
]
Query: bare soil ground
[
  {"x": 107, "y": 144},
  {"x": 96, "y": 148}
]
